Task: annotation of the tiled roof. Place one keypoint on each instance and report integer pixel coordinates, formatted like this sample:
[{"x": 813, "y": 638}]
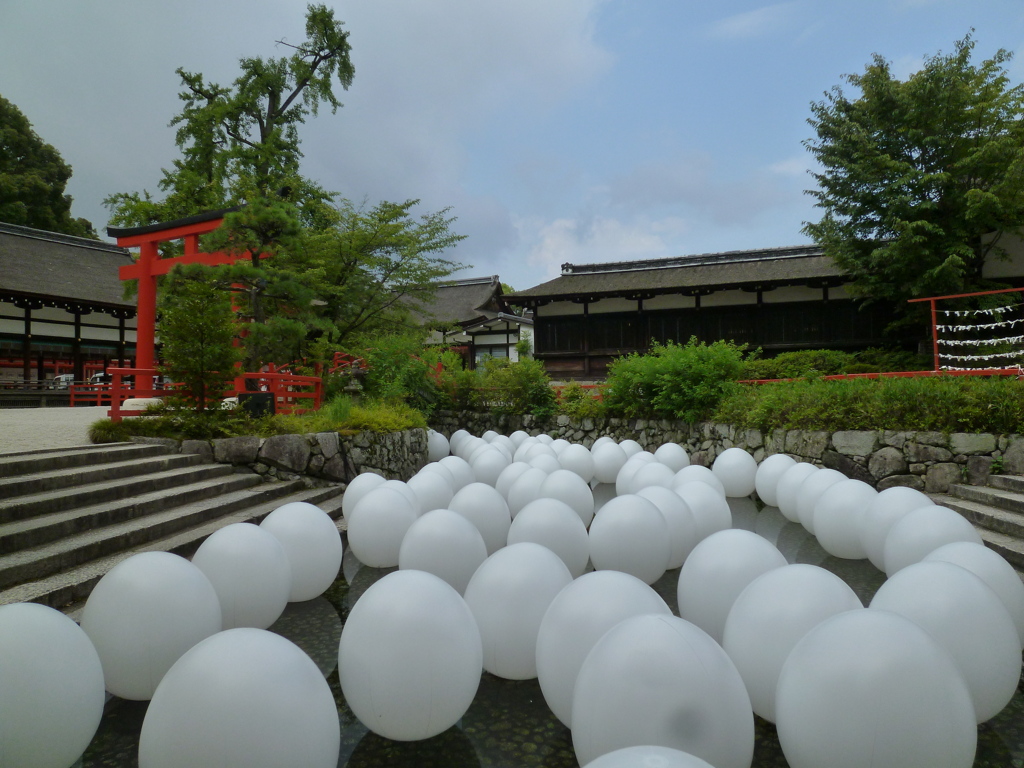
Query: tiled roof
[{"x": 461, "y": 300}]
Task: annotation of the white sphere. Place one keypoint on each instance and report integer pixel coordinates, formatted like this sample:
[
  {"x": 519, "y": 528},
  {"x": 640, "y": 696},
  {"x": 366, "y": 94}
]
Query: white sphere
[
  {"x": 311, "y": 540},
  {"x": 769, "y": 618},
  {"x": 517, "y": 437},
  {"x": 524, "y": 489},
  {"x": 560, "y": 445},
  {"x": 51, "y": 688},
  {"x": 444, "y": 472},
  {"x": 647, "y": 756},
  {"x": 403, "y": 488},
  {"x": 410, "y": 657},
  {"x": 568, "y": 487},
  {"x": 838, "y": 518},
  {"x": 659, "y": 680},
  {"x": 769, "y": 472},
  {"x": 609, "y": 458},
  {"x": 651, "y": 474},
  {"x": 431, "y": 489},
  {"x": 485, "y": 508},
  {"x": 630, "y": 534},
  {"x": 737, "y": 470},
  {"x": 546, "y": 463},
  {"x": 601, "y": 441},
  {"x": 673, "y": 456},
  {"x": 787, "y": 492},
  {"x": 545, "y": 438},
  {"x": 709, "y": 508},
  {"x": 461, "y": 471},
  {"x": 242, "y": 697},
  {"x": 555, "y": 525},
  {"x": 539, "y": 449},
  {"x": 964, "y": 616},
  {"x": 522, "y": 448},
  {"x": 921, "y": 531},
  {"x": 249, "y": 569},
  {"x": 576, "y": 619},
  {"x": 870, "y": 688},
  {"x": 508, "y": 595},
  {"x": 489, "y": 435},
  {"x": 991, "y": 568},
  {"x": 718, "y": 569},
  {"x": 489, "y": 464},
  {"x": 508, "y": 476},
  {"x": 378, "y": 524},
  {"x": 446, "y": 544},
  {"x": 467, "y": 445},
  {"x": 810, "y": 490},
  {"x": 576, "y": 458},
  {"x": 359, "y": 487},
  {"x": 437, "y": 446},
  {"x": 143, "y": 615},
  {"x": 682, "y": 525},
  {"x": 697, "y": 473},
  {"x": 885, "y": 510},
  {"x": 457, "y": 437},
  {"x": 631, "y": 447},
  {"x": 624, "y": 479}
]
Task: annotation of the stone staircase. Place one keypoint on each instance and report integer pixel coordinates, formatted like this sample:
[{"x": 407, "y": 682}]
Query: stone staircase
[
  {"x": 997, "y": 512},
  {"x": 67, "y": 517}
]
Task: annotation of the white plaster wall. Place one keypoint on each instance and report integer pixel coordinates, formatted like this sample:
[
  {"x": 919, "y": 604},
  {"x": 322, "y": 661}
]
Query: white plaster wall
[
  {"x": 791, "y": 293},
  {"x": 670, "y": 301},
  {"x": 612, "y": 305},
  {"x": 560, "y": 308},
  {"x": 728, "y": 298}
]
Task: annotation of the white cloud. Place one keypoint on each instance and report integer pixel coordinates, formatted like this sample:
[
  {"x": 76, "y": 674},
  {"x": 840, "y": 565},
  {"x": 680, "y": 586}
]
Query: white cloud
[
  {"x": 798, "y": 165},
  {"x": 751, "y": 24}
]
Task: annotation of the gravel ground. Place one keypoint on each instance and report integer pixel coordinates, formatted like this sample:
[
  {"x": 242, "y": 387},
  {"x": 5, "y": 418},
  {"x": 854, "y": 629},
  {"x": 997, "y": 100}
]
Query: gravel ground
[{"x": 34, "y": 429}]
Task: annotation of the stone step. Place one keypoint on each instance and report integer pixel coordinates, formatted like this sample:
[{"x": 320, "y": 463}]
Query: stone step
[
  {"x": 69, "y": 588},
  {"x": 984, "y": 516},
  {"x": 56, "y": 479},
  {"x": 1010, "y": 501},
  {"x": 1013, "y": 483},
  {"x": 30, "y": 462},
  {"x": 1010, "y": 547},
  {"x": 108, "y": 490},
  {"x": 41, "y": 529}
]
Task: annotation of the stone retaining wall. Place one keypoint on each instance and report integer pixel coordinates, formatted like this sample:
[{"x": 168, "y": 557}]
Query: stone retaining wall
[
  {"x": 324, "y": 456},
  {"x": 927, "y": 461}
]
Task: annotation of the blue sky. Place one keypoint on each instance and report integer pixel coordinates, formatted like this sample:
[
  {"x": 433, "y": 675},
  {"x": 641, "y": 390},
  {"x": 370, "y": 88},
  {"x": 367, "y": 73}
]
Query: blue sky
[{"x": 557, "y": 130}]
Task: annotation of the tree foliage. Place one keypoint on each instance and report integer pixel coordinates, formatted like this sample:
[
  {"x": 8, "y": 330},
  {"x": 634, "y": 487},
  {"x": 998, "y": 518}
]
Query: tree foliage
[
  {"x": 920, "y": 176},
  {"x": 33, "y": 176}
]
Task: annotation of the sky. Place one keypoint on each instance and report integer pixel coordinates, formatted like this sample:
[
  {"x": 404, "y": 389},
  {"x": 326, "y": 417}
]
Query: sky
[{"x": 556, "y": 131}]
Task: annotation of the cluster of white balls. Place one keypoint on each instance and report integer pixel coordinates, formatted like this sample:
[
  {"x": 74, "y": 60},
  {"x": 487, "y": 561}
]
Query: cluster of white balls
[
  {"x": 191, "y": 637},
  {"x": 533, "y": 557}
]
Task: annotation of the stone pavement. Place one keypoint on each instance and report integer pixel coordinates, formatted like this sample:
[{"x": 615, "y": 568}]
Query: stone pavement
[{"x": 33, "y": 429}]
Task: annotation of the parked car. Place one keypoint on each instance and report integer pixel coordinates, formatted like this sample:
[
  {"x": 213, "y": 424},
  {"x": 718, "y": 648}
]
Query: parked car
[
  {"x": 100, "y": 378},
  {"x": 63, "y": 381}
]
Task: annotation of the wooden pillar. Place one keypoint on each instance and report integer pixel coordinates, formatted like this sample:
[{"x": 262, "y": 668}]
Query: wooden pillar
[
  {"x": 76, "y": 349},
  {"x": 26, "y": 345},
  {"x": 146, "y": 321}
]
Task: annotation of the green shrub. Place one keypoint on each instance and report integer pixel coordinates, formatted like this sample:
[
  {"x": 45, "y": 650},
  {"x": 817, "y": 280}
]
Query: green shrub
[
  {"x": 107, "y": 431},
  {"x": 805, "y": 362},
  {"x": 517, "y": 388},
  {"x": 384, "y": 417},
  {"x": 397, "y": 371},
  {"x": 579, "y": 403},
  {"x": 684, "y": 381}
]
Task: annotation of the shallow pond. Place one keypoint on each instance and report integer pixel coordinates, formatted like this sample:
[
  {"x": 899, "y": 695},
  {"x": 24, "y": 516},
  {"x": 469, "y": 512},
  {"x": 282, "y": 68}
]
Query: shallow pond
[{"x": 509, "y": 725}]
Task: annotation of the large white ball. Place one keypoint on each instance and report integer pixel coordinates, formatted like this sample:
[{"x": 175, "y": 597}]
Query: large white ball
[
  {"x": 446, "y": 544},
  {"x": 249, "y": 569},
  {"x": 648, "y": 757},
  {"x": 517, "y": 437},
  {"x": 143, "y": 615},
  {"x": 697, "y": 473},
  {"x": 811, "y": 490},
  {"x": 964, "y": 616},
  {"x": 576, "y": 458},
  {"x": 838, "y": 518},
  {"x": 432, "y": 490},
  {"x": 359, "y": 487},
  {"x": 788, "y": 489},
  {"x": 311, "y": 540},
  {"x": 737, "y": 470},
  {"x": 576, "y": 619},
  {"x": 378, "y": 524},
  {"x": 650, "y": 474},
  {"x": 555, "y": 525},
  {"x": 624, "y": 479},
  {"x": 437, "y": 446},
  {"x": 410, "y": 657},
  {"x": 888, "y": 507},
  {"x": 769, "y": 618},
  {"x": 568, "y": 487},
  {"x": 991, "y": 568},
  {"x": 682, "y": 525},
  {"x": 508, "y": 476},
  {"x": 545, "y": 463},
  {"x": 461, "y": 471},
  {"x": 51, "y": 688},
  {"x": 508, "y": 595},
  {"x": 524, "y": 489},
  {"x": 718, "y": 569},
  {"x": 488, "y": 465},
  {"x": 871, "y": 688},
  {"x": 631, "y": 447},
  {"x": 630, "y": 534},
  {"x": 659, "y": 680},
  {"x": 609, "y": 458},
  {"x": 769, "y": 472},
  {"x": 709, "y": 507},
  {"x": 673, "y": 456},
  {"x": 242, "y": 697},
  {"x": 485, "y": 508},
  {"x": 921, "y": 531}
]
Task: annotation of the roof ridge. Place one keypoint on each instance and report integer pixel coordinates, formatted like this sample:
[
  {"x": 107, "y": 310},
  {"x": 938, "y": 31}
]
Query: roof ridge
[
  {"x": 60, "y": 237},
  {"x": 758, "y": 254}
]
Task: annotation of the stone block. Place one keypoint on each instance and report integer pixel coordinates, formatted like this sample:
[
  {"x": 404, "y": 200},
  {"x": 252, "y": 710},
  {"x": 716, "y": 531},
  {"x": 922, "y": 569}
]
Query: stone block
[
  {"x": 1013, "y": 457},
  {"x": 972, "y": 444},
  {"x": 807, "y": 444},
  {"x": 202, "y": 447},
  {"x": 932, "y": 438},
  {"x": 336, "y": 468},
  {"x": 941, "y": 476},
  {"x": 905, "y": 481},
  {"x": 928, "y": 454},
  {"x": 978, "y": 469},
  {"x": 286, "y": 452},
  {"x": 236, "y": 450},
  {"x": 753, "y": 438},
  {"x": 895, "y": 439},
  {"x": 846, "y": 465},
  {"x": 855, "y": 443},
  {"x": 887, "y": 461},
  {"x": 329, "y": 445},
  {"x": 166, "y": 442}
]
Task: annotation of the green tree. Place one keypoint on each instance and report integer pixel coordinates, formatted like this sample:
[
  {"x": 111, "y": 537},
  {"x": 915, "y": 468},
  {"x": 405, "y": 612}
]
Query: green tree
[
  {"x": 919, "y": 177},
  {"x": 33, "y": 176}
]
